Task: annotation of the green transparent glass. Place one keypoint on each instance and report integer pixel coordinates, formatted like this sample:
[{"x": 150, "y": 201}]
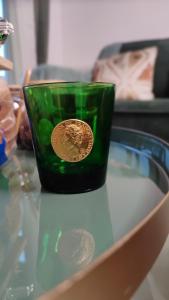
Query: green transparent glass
[{"x": 48, "y": 104}]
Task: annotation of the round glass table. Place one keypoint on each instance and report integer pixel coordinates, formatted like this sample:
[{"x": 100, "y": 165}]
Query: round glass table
[{"x": 95, "y": 245}]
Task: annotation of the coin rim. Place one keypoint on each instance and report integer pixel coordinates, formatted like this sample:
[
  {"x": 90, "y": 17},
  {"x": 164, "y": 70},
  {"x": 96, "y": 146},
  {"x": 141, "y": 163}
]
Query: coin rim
[{"x": 62, "y": 122}]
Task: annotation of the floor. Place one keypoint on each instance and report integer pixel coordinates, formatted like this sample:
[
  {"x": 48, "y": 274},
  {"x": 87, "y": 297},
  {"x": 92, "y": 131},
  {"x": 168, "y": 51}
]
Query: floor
[{"x": 156, "y": 284}]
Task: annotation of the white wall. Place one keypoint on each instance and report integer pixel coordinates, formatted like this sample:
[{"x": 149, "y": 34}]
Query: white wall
[
  {"x": 21, "y": 14},
  {"x": 80, "y": 28}
]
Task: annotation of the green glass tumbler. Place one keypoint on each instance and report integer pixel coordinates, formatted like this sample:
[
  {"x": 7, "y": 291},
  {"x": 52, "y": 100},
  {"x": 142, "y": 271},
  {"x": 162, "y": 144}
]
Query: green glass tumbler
[{"x": 71, "y": 124}]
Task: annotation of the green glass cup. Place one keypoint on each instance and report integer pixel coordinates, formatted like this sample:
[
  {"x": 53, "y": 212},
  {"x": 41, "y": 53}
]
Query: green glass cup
[{"x": 71, "y": 124}]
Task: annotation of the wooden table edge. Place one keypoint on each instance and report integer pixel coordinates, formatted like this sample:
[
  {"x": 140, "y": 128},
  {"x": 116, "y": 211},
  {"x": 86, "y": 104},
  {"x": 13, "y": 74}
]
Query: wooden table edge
[{"x": 120, "y": 270}]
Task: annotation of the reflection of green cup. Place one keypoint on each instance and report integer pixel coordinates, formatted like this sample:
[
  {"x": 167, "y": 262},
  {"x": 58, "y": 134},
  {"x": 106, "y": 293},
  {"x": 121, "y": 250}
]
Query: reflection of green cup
[
  {"x": 72, "y": 233},
  {"x": 71, "y": 125}
]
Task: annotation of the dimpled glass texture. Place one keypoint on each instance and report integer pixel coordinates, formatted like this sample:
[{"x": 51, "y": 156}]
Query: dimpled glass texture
[{"x": 48, "y": 104}]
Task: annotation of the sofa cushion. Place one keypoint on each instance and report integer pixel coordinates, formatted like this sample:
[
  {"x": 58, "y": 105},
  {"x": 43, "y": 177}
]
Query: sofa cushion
[
  {"x": 161, "y": 76},
  {"x": 160, "y": 106},
  {"x": 132, "y": 72},
  {"x": 156, "y": 124}
]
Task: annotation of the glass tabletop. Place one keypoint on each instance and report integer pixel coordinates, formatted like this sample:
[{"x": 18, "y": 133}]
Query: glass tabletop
[{"x": 45, "y": 237}]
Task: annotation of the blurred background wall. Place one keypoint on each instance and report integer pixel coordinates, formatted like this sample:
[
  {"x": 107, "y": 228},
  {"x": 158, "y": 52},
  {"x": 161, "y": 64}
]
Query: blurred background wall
[{"x": 78, "y": 29}]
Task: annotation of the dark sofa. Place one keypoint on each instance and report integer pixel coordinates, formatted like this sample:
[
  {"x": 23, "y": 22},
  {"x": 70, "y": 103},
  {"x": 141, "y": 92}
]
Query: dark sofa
[{"x": 150, "y": 116}]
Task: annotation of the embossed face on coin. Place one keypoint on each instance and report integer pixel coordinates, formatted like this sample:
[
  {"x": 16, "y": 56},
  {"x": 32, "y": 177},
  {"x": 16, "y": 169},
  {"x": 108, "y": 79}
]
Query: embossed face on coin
[{"x": 72, "y": 140}]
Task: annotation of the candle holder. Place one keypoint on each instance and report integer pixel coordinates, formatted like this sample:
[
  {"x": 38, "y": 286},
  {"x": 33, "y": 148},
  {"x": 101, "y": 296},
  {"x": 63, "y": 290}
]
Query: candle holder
[{"x": 70, "y": 125}]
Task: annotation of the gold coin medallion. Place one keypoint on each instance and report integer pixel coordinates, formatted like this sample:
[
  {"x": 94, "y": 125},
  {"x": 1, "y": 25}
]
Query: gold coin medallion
[{"x": 72, "y": 140}]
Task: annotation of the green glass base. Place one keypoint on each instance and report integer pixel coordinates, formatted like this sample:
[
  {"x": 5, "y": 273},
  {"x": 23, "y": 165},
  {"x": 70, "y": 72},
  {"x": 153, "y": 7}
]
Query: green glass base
[{"x": 74, "y": 183}]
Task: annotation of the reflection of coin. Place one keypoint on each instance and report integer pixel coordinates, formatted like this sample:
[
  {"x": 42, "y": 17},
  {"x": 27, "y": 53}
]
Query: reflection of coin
[
  {"x": 76, "y": 248},
  {"x": 72, "y": 140}
]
